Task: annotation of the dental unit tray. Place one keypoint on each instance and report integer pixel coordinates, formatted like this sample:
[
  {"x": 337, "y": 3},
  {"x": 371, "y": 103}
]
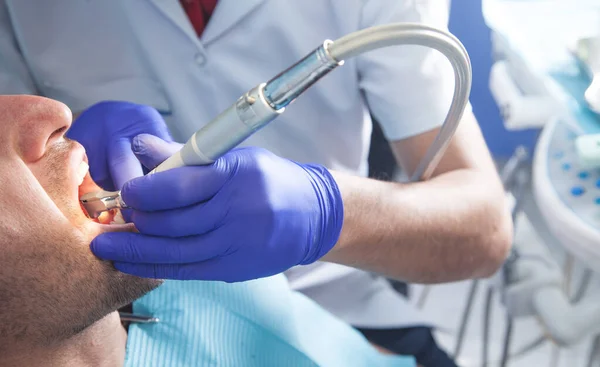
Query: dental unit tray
[{"x": 265, "y": 102}]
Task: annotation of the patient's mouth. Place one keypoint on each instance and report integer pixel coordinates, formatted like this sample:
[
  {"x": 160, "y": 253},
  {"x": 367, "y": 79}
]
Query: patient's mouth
[
  {"x": 111, "y": 217},
  {"x": 87, "y": 185}
]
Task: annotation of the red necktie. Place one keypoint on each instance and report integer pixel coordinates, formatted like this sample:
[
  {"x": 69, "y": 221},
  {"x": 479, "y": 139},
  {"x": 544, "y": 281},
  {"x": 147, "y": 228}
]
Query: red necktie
[{"x": 199, "y": 12}]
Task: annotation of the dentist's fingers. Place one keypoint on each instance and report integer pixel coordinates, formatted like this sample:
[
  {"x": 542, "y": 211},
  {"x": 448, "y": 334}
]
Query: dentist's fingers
[
  {"x": 123, "y": 164},
  {"x": 151, "y": 150},
  {"x": 181, "y": 222},
  {"x": 175, "y": 188},
  {"x": 157, "y": 271},
  {"x": 208, "y": 270},
  {"x": 139, "y": 248}
]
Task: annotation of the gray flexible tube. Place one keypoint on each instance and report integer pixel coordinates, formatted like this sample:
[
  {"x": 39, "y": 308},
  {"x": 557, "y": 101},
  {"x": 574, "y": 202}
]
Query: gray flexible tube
[{"x": 417, "y": 34}]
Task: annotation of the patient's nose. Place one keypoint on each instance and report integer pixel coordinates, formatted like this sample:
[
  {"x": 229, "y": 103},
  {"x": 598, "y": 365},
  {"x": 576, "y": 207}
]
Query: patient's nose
[{"x": 40, "y": 123}]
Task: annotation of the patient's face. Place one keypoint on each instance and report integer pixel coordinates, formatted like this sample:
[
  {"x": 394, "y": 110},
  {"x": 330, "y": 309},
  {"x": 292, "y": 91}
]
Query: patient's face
[{"x": 51, "y": 285}]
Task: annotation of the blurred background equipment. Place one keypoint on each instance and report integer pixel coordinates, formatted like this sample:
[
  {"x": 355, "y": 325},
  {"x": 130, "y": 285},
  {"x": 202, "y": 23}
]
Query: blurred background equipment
[{"x": 536, "y": 95}]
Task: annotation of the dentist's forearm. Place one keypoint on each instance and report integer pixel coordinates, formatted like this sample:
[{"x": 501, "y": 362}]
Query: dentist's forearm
[{"x": 452, "y": 227}]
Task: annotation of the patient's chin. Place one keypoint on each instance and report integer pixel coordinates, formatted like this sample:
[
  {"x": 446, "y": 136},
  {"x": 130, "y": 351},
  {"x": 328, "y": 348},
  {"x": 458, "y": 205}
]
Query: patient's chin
[
  {"x": 95, "y": 316},
  {"x": 95, "y": 289},
  {"x": 117, "y": 290},
  {"x": 131, "y": 289}
]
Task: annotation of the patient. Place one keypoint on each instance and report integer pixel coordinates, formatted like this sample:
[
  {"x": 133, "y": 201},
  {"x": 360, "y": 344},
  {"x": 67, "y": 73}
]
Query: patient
[
  {"x": 56, "y": 299},
  {"x": 58, "y": 302}
]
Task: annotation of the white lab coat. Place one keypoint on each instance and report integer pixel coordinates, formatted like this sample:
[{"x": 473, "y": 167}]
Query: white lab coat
[{"x": 145, "y": 51}]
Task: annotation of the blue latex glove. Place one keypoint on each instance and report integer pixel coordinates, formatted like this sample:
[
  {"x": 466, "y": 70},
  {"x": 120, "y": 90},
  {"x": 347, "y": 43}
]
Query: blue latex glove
[
  {"x": 105, "y": 130},
  {"x": 249, "y": 215}
]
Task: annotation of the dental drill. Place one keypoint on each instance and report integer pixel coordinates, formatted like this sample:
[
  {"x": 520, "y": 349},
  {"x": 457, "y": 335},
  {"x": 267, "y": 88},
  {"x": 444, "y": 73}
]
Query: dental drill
[{"x": 265, "y": 102}]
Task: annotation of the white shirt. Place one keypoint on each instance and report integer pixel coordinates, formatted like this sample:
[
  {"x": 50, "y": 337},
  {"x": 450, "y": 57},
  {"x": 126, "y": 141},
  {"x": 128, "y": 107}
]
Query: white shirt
[{"x": 145, "y": 51}]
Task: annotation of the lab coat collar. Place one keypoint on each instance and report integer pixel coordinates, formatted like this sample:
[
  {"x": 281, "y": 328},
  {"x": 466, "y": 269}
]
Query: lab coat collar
[
  {"x": 226, "y": 15},
  {"x": 173, "y": 10}
]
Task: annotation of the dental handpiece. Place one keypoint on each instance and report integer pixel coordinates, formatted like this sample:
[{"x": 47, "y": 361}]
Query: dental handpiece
[
  {"x": 251, "y": 112},
  {"x": 265, "y": 102}
]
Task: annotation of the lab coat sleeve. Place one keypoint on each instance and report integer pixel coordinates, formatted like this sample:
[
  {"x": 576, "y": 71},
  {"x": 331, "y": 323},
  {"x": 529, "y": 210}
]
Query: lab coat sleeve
[
  {"x": 408, "y": 88},
  {"x": 14, "y": 74}
]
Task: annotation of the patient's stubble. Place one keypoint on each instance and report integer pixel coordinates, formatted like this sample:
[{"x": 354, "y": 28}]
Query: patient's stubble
[{"x": 52, "y": 286}]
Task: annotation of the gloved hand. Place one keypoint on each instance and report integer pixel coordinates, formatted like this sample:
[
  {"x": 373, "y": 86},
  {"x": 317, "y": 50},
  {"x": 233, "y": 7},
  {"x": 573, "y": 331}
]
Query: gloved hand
[
  {"x": 251, "y": 214},
  {"x": 105, "y": 130}
]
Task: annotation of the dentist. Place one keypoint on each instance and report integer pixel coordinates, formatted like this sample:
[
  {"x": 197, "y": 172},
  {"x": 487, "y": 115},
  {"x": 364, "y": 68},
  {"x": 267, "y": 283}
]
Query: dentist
[{"x": 295, "y": 192}]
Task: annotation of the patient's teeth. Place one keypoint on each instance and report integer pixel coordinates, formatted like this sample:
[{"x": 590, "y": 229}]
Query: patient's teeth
[
  {"x": 118, "y": 218},
  {"x": 82, "y": 170},
  {"x": 104, "y": 218}
]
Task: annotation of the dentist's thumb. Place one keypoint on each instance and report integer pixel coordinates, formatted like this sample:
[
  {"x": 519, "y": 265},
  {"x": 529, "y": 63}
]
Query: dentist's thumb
[{"x": 151, "y": 150}]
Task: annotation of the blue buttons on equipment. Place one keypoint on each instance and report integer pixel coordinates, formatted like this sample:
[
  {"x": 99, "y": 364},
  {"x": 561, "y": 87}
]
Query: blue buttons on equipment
[
  {"x": 566, "y": 166},
  {"x": 583, "y": 175},
  {"x": 577, "y": 191},
  {"x": 597, "y": 201}
]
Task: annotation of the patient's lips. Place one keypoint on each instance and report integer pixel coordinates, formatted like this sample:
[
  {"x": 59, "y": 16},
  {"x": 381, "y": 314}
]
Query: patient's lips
[
  {"x": 82, "y": 171},
  {"x": 88, "y": 185},
  {"x": 85, "y": 185}
]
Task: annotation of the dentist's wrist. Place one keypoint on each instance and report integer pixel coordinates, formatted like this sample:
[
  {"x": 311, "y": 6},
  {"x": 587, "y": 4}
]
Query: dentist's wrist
[{"x": 331, "y": 207}]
